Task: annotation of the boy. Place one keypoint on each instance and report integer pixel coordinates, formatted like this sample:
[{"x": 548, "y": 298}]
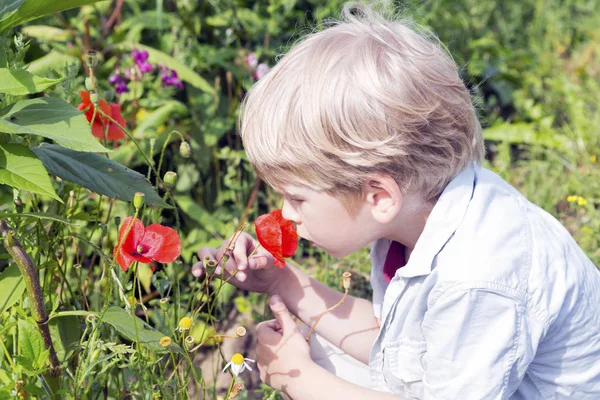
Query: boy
[{"x": 370, "y": 135}]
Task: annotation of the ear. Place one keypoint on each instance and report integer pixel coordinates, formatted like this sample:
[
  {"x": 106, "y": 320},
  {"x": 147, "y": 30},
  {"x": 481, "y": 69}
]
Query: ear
[{"x": 383, "y": 195}]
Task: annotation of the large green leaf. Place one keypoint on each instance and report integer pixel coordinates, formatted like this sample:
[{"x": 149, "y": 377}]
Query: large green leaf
[
  {"x": 65, "y": 333},
  {"x": 97, "y": 173},
  {"x": 51, "y": 118},
  {"x": 32, "y": 9},
  {"x": 51, "y": 61},
  {"x": 127, "y": 326},
  {"x": 32, "y": 345},
  {"x": 47, "y": 33},
  {"x": 38, "y": 215},
  {"x": 21, "y": 169},
  {"x": 183, "y": 71},
  {"x": 12, "y": 287},
  {"x": 9, "y": 7},
  {"x": 19, "y": 82}
]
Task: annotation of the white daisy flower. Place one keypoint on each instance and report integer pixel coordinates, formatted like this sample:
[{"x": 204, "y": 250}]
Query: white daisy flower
[{"x": 238, "y": 364}]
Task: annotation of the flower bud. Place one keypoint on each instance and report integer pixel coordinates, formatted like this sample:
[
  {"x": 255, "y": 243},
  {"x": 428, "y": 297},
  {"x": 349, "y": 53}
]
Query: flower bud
[
  {"x": 225, "y": 258},
  {"x": 170, "y": 180},
  {"x": 91, "y": 84},
  {"x": 138, "y": 199},
  {"x": 236, "y": 389},
  {"x": 185, "y": 324},
  {"x": 163, "y": 303},
  {"x": 185, "y": 150},
  {"x": 91, "y": 59},
  {"x": 165, "y": 342},
  {"x": 94, "y": 97},
  {"x": 117, "y": 220},
  {"x": 346, "y": 280}
]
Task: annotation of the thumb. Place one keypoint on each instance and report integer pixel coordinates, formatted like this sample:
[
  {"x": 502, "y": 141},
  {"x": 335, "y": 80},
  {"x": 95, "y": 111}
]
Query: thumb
[{"x": 282, "y": 315}]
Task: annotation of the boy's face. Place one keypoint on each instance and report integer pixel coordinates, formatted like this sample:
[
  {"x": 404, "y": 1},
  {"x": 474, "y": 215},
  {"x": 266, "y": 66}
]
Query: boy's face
[{"x": 326, "y": 223}]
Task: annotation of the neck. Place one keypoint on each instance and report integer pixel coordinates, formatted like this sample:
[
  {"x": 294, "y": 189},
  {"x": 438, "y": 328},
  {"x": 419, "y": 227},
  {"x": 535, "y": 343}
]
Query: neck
[{"x": 408, "y": 225}]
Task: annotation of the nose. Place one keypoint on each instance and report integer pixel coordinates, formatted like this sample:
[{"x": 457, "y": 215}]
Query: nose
[{"x": 288, "y": 212}]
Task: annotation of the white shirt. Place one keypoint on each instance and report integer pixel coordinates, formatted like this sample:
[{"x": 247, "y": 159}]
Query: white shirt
[{"x": 497, "y": 301}]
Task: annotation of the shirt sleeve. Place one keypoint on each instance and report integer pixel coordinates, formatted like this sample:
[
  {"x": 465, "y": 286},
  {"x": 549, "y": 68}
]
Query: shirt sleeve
[{"x": 477, "y": 346}]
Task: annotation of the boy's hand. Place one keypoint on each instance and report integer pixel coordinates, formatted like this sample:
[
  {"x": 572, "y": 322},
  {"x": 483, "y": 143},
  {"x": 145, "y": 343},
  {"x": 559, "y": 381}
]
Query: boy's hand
[
  {"x": 282, "y": 352},
  {"x": 256, "y": 274}
]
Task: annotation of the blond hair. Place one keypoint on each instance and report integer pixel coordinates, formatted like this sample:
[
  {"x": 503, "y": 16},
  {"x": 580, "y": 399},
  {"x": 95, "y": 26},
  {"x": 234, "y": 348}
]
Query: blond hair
[{"x": 366, "y": 95}]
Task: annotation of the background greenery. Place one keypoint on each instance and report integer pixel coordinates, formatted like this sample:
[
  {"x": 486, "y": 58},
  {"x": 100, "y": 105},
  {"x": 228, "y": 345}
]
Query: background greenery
[{"x": 533, "y": 66}]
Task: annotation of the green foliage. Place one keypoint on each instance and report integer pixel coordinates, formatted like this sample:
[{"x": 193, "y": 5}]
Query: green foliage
[{"x": 532, "y": 67}]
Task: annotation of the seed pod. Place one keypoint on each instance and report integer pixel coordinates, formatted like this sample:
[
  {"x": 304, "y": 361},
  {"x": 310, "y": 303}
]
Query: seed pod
[
  {"x": 138, "y": 199},
  {"x": 346, "y": 280},
  {"x": 91, "y": 58},
  {"x": 94, "y": 97},
  {"x": 170, "y": 180},
  {"x": 240, "y": 331}
]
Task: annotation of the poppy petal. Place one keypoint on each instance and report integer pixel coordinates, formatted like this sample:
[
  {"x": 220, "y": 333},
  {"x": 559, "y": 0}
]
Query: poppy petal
[
  {"x": 98, "y": 131},
  {"x": 268, "y": 234},
  {"x": 289, "y": 236},
  {"x": 161, "y": 243},
  {"x": 130, "y": 243}
]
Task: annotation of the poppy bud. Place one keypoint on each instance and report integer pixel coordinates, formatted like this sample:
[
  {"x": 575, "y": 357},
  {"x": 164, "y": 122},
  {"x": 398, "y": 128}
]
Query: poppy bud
[
  {"x": 91, "y": 58},
  {"x": 170, "y": 180},
  {"x": 91, "y": 84},
  {"x": 118, "y": 220},
  {"x": 138, "y": 199},
  {"x": 94, "y": 97},
  {"x": 185, "y": 150},
  {"x": 346, "y": 280},
  {"x": 189, "y": 341},
  {"x": 163, "y": 303},
  {"x": 225, "y": 258}
]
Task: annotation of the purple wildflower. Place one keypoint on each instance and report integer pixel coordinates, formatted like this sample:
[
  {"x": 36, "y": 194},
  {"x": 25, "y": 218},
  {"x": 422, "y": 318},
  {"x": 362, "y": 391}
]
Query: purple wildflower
[
  {"x": 121, "y": 87},
  {"x": 139, "y": 56},
  {"x": 145, "y": 67},
  {"x": 170, "y": 78},
  {"x": 252, "y": 61}
]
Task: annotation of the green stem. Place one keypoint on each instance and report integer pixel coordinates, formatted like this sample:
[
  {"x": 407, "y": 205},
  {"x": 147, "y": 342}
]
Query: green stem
[{"x": 34, "y": 291}]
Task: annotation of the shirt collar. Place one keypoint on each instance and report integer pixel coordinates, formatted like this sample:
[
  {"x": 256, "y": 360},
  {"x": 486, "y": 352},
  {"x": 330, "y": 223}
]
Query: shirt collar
[{"x": 444, "y": 219}]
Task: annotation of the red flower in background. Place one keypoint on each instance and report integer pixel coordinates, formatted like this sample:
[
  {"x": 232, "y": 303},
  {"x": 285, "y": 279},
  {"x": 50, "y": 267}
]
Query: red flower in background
[
  {"x": 147, "y": 244},
  {"x": 277, "y": 235},
  {"x": 100, "y": 122}
]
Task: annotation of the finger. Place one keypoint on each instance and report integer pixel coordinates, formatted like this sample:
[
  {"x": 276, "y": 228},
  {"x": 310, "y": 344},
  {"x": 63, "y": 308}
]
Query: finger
[
  {"x": 282, "y": 315},
  {"x": 203, "y": 253},
  {"x": 260, "y": 260},
  {"x": 244, "y": 245},
  {"x": 198, "y": 269}
]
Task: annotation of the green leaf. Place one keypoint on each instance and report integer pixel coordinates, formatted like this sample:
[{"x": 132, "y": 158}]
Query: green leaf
[
  {"x": 47, "y": 33},
  {"x": 38, "y": 215},
  {"x": 51, "y": 61},
  {"x": 125, "y": 324},
  {"x": 150, "y": 20},
  {"x": 20, "y": 168},
  {"x": 159, "y": 116},
  {"x": 97, "y": 173},
  {"x": 9, "y": 7},
  {"x": 12, "y": 287},
  {"x": 65, "y": 333},
  {"x": 19, "y": 82},
  {"x": 31, "y": 343},
  {"x": 51, "y": 118},
  {"x": 32, "y": 9},
  {"x": 526, "y": 133},
  {"x": 202, "y": 331},
  {"x": 183, "y": 71}
]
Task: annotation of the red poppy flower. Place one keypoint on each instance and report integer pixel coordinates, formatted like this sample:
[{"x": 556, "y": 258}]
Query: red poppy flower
[
  {"x": 147, "y": 244},
  {"x": 277, "y": 235},
  {"x": 100, "y": 122}
]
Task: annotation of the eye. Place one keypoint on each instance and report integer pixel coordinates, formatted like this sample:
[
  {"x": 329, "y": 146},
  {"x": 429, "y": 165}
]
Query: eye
[{"x": 296, "y": 201}]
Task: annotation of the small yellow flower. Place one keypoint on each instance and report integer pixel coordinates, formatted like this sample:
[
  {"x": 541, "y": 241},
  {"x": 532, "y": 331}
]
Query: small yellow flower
[
  {"x": 185, "y": 324},
  {"x": 238, "y": 364},
  {"x": 165, "y": 341},
  {"x": 593, "y": 159},
  {"x": 581, "y": 201},
  {"x": 587, "y": 229},
  {"x": 572, "y": 199}
]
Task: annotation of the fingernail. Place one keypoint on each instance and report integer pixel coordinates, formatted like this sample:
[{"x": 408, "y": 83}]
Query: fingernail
[
  {"x": 197, "y": 272},
  {"x": 275, "y": 300},
  {"x": 240, "y": 276}
]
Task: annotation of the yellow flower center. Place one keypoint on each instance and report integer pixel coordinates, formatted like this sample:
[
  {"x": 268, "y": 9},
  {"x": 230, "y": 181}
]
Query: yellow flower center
[
  {"x": 165, "y": 341},
  {"x": 237, "y": 359},
  {"x": 139, "y": 248},
  {"x": 185, "y": 323}
]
